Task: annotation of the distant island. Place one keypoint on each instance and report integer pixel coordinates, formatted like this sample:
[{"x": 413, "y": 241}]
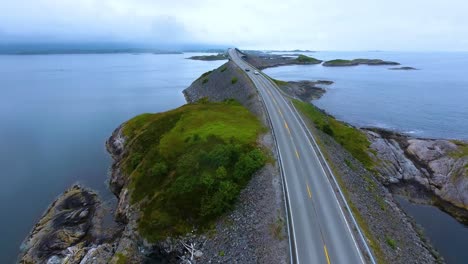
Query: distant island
[
  {"x": 219, "y": 56},
  {"x": 263, "y": 60},
  {"x": 403, "y": 69},
  {"x": 355, "y": 62}
]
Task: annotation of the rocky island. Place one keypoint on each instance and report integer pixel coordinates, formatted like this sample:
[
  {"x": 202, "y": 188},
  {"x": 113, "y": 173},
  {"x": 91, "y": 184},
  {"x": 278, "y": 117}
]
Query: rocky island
[
  {"x": 406, "y": 68},
  {"x": 219, "y": 56},
  {"x": 355, "y": 62},
  {"x": 263, "y": 60}
]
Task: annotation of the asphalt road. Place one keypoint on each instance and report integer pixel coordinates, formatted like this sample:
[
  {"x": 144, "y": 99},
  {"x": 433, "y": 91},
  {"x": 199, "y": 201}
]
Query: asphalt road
[{"x": 320, "y": 231}]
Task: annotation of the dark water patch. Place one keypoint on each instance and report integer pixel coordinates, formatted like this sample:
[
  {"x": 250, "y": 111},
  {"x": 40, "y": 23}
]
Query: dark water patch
[{"x": 447, "y": 235}]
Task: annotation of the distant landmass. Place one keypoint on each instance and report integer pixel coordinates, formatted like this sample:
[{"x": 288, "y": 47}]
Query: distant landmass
[{"x": 103, "y": 48}]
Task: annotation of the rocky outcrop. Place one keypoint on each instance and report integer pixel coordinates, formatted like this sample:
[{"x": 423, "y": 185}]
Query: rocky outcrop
[
  {"x": 219, "y": 85},
  {"x": 403, "y": 68},
  {"x": 219, "y": 56},
  {"x": 355, "y": 62},
  {"x": 304, "y": 90},
  {"x": 261, "y": 60},
  {"x": 69, "y": 230},
  {"x": 432, "y": 165}
]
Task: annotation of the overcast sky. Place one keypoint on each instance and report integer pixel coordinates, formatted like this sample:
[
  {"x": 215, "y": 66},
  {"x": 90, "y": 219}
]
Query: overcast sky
[{"x": 262, "y": 24}]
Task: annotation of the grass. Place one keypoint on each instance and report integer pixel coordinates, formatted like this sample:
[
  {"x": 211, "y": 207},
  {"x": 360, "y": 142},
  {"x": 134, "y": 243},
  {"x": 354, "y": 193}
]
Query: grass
[
  {"x": 188, "y": 165},
  {"x": 391, "y": 242},
  {"x": 372, "y": 241},
  {"x": 121, "y": 258},
  {"x": 339, "y": 62},
  {"x": 279, "y": 82},
  {"x": 462, "y": 149},
  {"x": 276, "y": 228},
  {"x": 306, "y": 59},
  {"x": 233, "y": 80},
  {"x": 353, "y": 140}
]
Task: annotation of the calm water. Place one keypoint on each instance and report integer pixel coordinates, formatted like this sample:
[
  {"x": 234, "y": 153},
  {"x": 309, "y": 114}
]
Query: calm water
[
  {"x": 430, "y": 102},
  {"x": 450, "y": 239},
  {"x": 56, "y": 112}
]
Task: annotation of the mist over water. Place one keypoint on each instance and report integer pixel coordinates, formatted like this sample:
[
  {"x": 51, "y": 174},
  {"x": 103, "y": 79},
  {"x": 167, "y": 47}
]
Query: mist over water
[
  {"x": 429, "y": 102},
  {"x": 56, "y": 111}
]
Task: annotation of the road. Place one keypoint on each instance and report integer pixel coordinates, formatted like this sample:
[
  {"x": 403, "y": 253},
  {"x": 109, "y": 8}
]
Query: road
[{"x": 320, "y": 232}]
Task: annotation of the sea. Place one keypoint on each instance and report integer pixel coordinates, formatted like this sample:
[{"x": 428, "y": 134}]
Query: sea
[
  {"x": 430, "y": 102},
  {"x": 56, "y": 112}
]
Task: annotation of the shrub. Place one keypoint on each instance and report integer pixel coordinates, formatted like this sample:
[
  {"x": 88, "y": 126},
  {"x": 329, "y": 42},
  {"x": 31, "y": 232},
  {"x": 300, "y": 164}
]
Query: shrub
[{"x": 233, "y": 80}]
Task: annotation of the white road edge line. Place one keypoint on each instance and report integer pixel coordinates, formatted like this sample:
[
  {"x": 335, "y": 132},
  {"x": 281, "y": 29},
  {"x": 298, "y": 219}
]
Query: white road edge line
[
  {"x": 304, "y": 129},
  {"x": 285, "y": 186}
]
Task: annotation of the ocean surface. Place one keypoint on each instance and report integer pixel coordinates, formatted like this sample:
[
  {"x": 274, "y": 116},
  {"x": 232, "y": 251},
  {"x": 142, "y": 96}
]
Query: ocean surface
[
  {"x": 56, "y": 112},
  {"x": 429, "y": 102}
]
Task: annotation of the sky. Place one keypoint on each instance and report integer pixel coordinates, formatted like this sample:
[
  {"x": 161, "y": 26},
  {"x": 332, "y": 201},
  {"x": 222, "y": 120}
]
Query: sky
[{"x": 413, "y": 25}]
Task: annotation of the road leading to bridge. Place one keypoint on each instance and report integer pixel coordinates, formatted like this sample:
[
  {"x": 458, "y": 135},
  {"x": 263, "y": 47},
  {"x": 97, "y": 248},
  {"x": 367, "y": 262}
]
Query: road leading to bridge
[{"x": 320, "y": 232}]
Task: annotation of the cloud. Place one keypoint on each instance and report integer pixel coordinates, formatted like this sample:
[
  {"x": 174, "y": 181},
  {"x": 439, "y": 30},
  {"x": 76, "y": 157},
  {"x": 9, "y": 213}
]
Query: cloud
[{"x": 311, "y": 24}]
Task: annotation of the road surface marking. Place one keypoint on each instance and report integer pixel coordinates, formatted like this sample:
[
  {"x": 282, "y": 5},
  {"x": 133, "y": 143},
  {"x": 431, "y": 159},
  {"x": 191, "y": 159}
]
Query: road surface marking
[
  {"x": 326, "y": 253},
  {"x": 297, "y": 153},
  {"x": 281, "y": 113},
  {"x": 287, "y": 127},
  {"x": 308, "y": 190}
]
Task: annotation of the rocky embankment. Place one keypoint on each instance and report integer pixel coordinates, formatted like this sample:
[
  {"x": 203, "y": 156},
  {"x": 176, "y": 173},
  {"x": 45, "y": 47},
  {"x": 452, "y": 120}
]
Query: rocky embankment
[
  {"x": 433, "y": 171},
  {"x": 70, "y": 231},
  {"x": 262, "y": 60}
]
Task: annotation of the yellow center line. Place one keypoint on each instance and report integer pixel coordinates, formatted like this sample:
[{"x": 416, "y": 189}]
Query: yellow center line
[
  {"x": 308, "y": 190},
  {"x": 279, "y": 110},
  {"x": 297, "y": 154},
  {"x": 326, "y": 253},
  {"x": 287, "y": 127}
]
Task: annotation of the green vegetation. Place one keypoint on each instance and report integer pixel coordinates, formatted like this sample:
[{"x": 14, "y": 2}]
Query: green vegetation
[
  {"x": 221, "y": 253},
  {"x": 279, "y": 82},
  {"x": 233, "y": 80},
  {"x": 370, "y": 186},
  {"x": 205, "y": 81},
  {"x": 306, "y": 59},
  {"x": 353, "y": 140},
  {"x": 358, "y": 62},
  {"x": 223, "y": 69},
  {"x": 121, "y": 258},
  {"x": 188, "y": 165},
  {"x": 462, "y": 149},
  {"x": 341, "y": 62},
  {"x": 391, "y": 242},
  {"x": 276, "y": 228},
  {"x": 205, "y": 74},
  {"x": 219, "y": 56}
]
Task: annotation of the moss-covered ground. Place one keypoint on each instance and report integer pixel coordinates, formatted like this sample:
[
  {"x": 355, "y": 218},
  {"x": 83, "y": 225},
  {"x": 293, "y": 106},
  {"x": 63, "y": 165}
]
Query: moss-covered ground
[{"x": 187, "y": 166}]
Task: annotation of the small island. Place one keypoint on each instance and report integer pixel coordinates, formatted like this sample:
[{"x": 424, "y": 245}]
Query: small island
[
  {"x": 219, "y": 56},
  {"x": 403, "y": 69},
  {"x": 263, "y": 60},
  {"x": 355, "y": 62}
]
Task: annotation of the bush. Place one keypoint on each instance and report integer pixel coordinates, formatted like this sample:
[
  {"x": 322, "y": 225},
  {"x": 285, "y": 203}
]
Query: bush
[
  {"x": 233, "y": 80},
  {"x": 205, "y": 81}
]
